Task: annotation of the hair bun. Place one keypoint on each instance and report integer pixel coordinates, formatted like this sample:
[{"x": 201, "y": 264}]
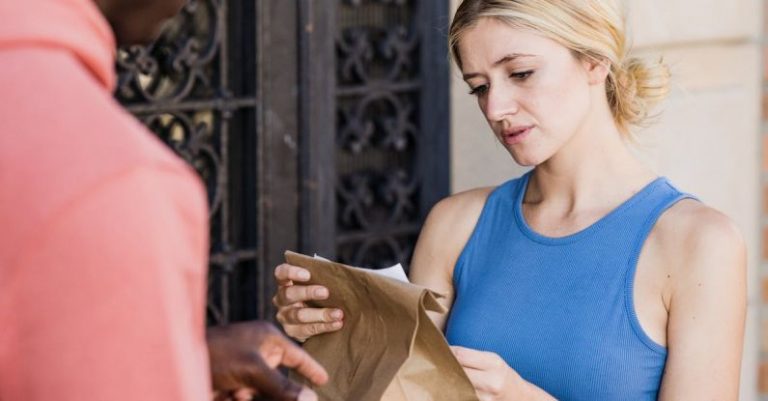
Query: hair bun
[{"x": 634, "y": 87}]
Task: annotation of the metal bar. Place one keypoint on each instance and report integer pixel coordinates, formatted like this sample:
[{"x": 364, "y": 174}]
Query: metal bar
[
  {"x": 278, "y": 141},
  {"x": 433, "y": 157},
  {"x": 260, "y": 39},
  {"x": 188, "y": 106},
  {"x": 378, "y": 232},
  {"x": 317, "y": 61},
  {"x": 223, "y": 177},
  {"x": 224, "y": 116},
  {"x": 224, "y": 258},
  {"x": 379, "y": 86}
]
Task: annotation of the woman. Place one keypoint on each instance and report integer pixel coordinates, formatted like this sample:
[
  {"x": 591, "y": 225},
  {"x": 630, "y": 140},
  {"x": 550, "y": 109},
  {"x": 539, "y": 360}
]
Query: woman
[{"x": 590, "y": 277}]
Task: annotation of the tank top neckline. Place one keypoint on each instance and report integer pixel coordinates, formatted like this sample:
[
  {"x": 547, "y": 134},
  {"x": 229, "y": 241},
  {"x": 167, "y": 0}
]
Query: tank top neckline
[{"x": 522, "y": 188}]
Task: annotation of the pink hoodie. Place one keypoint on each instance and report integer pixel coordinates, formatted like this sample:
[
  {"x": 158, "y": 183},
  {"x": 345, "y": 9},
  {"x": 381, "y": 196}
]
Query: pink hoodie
[{"x": 104, "y": 242}]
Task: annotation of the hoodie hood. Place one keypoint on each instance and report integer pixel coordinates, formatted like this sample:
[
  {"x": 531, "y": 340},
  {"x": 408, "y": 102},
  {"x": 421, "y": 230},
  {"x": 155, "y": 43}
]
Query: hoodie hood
[{"x": 76, "y": 26}]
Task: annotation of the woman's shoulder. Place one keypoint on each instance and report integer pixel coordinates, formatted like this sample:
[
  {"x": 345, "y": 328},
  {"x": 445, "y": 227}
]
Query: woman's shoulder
[
  {"x": 699, "y": 240},
  {"x": 468, "y": 204},
  {"x": 465, "y": 201},
  {"x": 451, "y": 221},
  {"x": 691, "y": 222}
]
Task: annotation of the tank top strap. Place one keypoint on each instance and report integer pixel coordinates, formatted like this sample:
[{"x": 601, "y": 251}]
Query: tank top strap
[
  {"x": 667, "y": 197},
  {"x": 662, "y": 197}
]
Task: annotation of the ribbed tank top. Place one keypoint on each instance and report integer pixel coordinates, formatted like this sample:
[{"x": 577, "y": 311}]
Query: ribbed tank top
[{"x": 560, "y": 311}]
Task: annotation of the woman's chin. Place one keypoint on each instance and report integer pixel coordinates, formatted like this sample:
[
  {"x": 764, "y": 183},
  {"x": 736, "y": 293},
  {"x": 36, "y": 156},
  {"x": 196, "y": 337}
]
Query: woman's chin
[{"x": 526, "y": 159}]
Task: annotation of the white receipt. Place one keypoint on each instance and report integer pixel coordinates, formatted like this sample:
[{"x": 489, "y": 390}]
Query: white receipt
[{"x": 394, "y": 272}]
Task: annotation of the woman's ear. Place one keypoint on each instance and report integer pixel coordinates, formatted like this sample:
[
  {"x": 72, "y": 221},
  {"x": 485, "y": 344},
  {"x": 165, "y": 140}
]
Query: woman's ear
[{"x": 597, "y": 70}]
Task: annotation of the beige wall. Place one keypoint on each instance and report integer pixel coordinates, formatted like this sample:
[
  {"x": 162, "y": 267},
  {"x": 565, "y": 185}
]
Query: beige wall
[{"x": 707, "y": 138}]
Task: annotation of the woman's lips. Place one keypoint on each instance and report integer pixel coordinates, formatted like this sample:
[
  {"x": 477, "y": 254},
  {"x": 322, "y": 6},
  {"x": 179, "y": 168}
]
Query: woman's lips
[{"x": 516, "y": 135}]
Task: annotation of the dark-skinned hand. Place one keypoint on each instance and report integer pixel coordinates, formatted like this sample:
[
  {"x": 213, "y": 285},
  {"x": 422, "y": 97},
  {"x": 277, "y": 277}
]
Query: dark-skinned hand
[{"x": 245, "y": 358}]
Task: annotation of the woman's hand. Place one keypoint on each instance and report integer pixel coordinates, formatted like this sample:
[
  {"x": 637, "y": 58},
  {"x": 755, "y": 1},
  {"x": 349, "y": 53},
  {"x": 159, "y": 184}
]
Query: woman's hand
[
  {"x": 493, "y": 379},
  {"x": 297, "y": 320}
]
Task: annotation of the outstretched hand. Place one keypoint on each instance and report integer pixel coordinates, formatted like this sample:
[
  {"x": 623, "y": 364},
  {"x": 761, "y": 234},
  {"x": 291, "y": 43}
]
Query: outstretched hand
[{"x": 244, "y": 358}]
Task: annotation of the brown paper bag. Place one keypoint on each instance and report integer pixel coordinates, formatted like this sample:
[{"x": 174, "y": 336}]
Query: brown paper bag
[{"x": 389, "y": 349}]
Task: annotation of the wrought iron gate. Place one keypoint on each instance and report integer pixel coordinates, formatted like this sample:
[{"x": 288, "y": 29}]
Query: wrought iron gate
[{"x": 317, "y": 125}]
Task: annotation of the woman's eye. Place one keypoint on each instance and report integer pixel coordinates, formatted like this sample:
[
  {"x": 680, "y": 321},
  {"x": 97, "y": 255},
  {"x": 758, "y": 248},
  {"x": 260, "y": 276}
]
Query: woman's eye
[
  {"x": 483, "y": 89},
  {"x": 478, "y": 90},
  {"x": 521, "y": 76}
]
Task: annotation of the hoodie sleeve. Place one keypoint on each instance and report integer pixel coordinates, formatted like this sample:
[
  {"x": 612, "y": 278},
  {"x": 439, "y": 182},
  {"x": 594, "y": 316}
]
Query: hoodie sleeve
[{"x": 109, "y": 303}]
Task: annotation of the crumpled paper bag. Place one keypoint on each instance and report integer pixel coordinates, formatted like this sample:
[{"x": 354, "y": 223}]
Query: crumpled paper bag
[{"x": 388, "y": 349}]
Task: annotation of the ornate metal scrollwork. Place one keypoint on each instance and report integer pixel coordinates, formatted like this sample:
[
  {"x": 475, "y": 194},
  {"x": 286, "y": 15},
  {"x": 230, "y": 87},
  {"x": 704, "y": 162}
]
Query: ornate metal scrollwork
[
  {"x": 369, "y": 200},
  {"x": 175, "y": 86},
  {"x": 378, "y": 251},
  {"x": 192, "y": 137},
  {"x": 384, "y": 116},
  {"x": 378, "y": 134},
  {"x": 398, "y": 48},
  {"x": 356, "y": 52},
  {"x": 357, "y": 196},
  {"x": 364, "y": 52},
  {"x": 398, "y": 192},
  {"x": 178, "y": 65},
  {"x": 200, "y": 89}
]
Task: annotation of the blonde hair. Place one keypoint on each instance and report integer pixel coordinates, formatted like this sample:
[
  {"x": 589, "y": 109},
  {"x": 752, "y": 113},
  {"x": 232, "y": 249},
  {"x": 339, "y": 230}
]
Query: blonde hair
[{"x": 591, "y": 29}]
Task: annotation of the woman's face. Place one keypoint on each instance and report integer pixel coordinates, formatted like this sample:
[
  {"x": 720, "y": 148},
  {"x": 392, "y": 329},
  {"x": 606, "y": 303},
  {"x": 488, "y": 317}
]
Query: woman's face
[{"x": 533, "y": 92}]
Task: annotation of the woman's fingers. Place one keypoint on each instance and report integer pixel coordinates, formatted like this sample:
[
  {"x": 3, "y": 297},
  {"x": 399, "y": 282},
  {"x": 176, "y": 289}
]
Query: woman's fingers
[
  {"x": 302, "y": 323},
  {"x": 470, "y": 358},
  {"x": 286, "y": 296},
  {"x": 309, "y": 315},
  {"x": 488, "y": 372},
  {"x": 286, "y": 274},
  {"x": 478, "y": 378},
  {"x": 298, "y": 321},
  {"x": 302, "y": 332}
]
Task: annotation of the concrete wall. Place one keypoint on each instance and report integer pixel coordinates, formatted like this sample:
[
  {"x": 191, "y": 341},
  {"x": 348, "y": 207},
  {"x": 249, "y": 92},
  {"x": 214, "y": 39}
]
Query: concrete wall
[{"x": 707, "y": 139}]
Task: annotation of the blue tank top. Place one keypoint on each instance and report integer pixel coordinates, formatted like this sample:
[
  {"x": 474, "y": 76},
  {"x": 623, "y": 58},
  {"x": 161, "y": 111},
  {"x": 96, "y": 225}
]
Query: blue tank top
[{"x": 560, "y": 310}]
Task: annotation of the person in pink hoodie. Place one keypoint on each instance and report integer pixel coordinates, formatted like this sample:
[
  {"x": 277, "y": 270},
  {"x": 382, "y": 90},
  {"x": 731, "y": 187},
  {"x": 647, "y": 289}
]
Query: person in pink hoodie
[{"x": 103, "y": 248}]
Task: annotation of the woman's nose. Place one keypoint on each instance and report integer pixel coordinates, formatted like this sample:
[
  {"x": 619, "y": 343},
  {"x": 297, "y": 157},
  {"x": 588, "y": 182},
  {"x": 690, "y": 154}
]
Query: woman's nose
[{"x": 501, "y": 103}]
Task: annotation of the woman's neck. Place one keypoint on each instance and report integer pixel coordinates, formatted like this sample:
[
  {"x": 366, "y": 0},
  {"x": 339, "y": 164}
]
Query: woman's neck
[{"x": 594, "y": 170}]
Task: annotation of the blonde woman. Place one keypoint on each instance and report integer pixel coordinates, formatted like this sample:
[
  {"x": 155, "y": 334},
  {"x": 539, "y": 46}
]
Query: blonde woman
[{"x": 590, "y": 277}]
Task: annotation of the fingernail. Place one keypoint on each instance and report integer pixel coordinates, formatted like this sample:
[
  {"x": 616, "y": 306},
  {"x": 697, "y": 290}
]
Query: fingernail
[
  {"x": 321, "y": 292},
  {"x": 337, "y": 314},
  {"x": 337, "y": 324},
  {"x": 303, "y": 275},
  {"x": 307, "y": 395}
]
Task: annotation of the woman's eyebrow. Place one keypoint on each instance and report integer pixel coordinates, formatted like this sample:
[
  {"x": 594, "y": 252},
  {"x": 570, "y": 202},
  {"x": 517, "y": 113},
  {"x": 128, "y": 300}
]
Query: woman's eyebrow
[{"x": 504, "y": 59}]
